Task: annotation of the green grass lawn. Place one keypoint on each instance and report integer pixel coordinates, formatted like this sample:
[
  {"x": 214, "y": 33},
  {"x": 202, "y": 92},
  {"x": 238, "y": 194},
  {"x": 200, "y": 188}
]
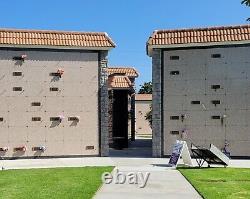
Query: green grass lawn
[
  {"x": 218, "y": 183},
  {"x": 51, "y": 183}
]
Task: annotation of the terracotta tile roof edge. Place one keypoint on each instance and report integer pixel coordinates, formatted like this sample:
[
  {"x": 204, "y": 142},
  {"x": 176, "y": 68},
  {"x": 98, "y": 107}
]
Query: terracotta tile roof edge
[
  {"x": 110, "y": 40},
  {"x": 149, "y": 42},
  {"x": 47, "y": 31},
  {"x": 155, "y": 32},
  {"x": 13, "y": 30},
  {"x": 119, "y": 85},
  {"x": 124, "y": 67},
  {"x": 200, "y": 29},
  {"x": 217, "y": 35}
]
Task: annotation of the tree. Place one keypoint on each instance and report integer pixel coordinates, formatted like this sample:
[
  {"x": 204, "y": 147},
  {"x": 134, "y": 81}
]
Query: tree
[
  {"x": 247, "y": 3},
  {"x": 148, "y": 116},
  {"x": 146, "y": 88}
]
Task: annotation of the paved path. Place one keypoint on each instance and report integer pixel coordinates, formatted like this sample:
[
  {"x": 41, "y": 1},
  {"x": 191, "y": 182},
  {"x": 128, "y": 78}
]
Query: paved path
[
  {"x": 162, "y": 183},
  {"x": 98, "y": 161}
]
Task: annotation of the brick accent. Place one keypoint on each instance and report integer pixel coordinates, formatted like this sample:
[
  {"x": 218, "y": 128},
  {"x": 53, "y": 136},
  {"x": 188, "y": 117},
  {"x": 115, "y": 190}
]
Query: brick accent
[
  {"x": 157, "y": 104},
  {"x": 104, "y": 101}
]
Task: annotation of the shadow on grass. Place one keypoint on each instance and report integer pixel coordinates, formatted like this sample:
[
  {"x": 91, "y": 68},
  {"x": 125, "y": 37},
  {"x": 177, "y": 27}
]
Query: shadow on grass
[
  {"x": 161, "y": 165},
  {"x": 199, "y": 168}
]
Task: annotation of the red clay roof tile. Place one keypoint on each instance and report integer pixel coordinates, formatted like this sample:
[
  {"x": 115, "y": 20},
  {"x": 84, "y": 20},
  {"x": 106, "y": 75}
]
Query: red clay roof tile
[
  {"x": 128, "y": 71},
  {"x": 55, "y": 38},
  {"x": 119, "y": 82},
  {"x": 200, "y": 35}
]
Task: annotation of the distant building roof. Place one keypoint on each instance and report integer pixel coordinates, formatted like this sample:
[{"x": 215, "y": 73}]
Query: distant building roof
[
  {"x": 143, "y": 97},
  {"x": 119, "y": 82},
  {"x": 55, "y": 38},
  {"x": 198, "y": 36},
  {"x": 128, "y": 71}
]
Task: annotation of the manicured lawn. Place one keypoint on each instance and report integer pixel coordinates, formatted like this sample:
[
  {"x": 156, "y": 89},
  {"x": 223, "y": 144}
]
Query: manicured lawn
[
  {"x": 51, "y": 183},
  {"x": 218, "y": 183}
]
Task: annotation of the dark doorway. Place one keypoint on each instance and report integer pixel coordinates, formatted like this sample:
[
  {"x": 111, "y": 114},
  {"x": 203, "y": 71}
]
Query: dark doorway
[
  {"x": 120, "y": 119},
  {"x": 121, "y": 144}
]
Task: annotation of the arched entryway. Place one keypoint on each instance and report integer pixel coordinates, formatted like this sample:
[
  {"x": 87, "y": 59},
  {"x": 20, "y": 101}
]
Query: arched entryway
[{"x": 122, "y": 139}]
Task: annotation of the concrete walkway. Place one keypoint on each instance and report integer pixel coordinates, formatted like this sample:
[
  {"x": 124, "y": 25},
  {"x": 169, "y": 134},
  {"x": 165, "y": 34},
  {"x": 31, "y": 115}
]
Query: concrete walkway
[
  {"x": 100, "y": 161},
  {"x": 162, "y": 183}
]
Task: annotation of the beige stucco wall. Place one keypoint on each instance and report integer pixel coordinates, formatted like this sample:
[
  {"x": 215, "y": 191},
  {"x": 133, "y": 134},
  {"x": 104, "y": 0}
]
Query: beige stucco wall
[
  {"x": 77, "y": 96},
  {"x": 142, "y": 125},
  {"x": 198, "y": 72}
]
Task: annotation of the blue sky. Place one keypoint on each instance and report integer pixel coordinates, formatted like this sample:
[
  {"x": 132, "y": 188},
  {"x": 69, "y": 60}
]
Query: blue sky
[{"x": 129, "y": 22}]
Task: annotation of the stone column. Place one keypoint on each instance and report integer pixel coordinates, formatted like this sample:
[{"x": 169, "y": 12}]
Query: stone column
[
  {"x": 103, "y": 104},
  {"x": 157, "y": 130},
  {"x": 110, "y": 122}
]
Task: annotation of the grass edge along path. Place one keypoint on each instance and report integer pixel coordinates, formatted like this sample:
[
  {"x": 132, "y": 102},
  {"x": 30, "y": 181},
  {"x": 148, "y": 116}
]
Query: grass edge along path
[
  {"x": 219, "y": 183},
  {"x": 53, "y": 183}
]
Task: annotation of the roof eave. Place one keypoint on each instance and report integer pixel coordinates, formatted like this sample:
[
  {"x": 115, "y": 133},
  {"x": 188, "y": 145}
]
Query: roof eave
[
  {"x": 143, "y": 100},
  {"x": 227, "y": 43},
  {"x": 120, "y": 88},
  {"x": 149, "y": 50},
  {"x": 57, "y": 47},
  {"x": 132, "y": 76}
]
